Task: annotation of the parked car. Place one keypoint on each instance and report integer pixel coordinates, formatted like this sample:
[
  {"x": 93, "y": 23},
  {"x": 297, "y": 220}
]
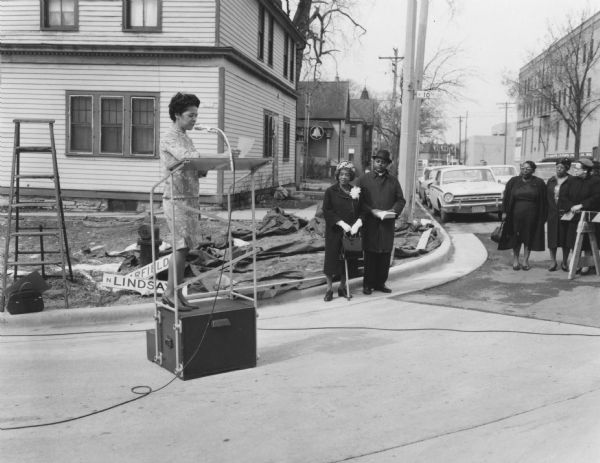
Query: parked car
[
  {"x": 465, "y": 190},
  {"x": 503, "y": 172},
  {"x": 424, "y": 181}
]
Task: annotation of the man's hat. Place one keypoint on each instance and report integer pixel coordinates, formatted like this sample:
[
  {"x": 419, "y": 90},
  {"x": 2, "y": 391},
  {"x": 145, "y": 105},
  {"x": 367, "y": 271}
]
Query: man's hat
[
  {"x": 585, "y": 162},
  {"x": 383, "y": 154}
]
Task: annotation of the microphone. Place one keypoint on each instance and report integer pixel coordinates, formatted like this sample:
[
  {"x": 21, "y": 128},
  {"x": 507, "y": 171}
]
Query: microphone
[{"x": 205, "y": 128}]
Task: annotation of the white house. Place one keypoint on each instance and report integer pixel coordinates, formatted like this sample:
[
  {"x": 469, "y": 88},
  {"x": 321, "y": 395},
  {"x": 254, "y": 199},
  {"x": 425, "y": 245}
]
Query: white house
[{"x": 106, "y": 70}]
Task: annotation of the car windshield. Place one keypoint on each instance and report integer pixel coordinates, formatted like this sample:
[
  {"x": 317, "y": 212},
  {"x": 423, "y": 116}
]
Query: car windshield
[
  {"x": 505, "y": 170},
  {"x": 468, "y": 175}
]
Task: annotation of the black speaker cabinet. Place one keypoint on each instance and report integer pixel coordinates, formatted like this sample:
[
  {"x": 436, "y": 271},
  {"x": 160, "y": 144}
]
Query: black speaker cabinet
[{"x": 212, "y": 339}]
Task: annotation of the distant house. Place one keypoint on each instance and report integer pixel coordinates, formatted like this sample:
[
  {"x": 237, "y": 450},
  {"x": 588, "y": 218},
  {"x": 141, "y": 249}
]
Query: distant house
[
  {"x": 106, "y": 71},
  {"x": 332, "y": 127}
]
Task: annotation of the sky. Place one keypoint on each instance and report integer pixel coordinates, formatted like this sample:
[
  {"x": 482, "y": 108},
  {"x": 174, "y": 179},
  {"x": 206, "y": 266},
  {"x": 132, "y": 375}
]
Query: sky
[{"x": 495, "y": 37}]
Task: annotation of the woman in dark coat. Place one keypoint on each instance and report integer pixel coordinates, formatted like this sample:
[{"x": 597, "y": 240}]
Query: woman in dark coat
[
  {"x": 341, "y": 208},
  {"x": 558, "y": 203},
  {"x": 584, "y": 195},
  {"x": 525, "y": 208}
]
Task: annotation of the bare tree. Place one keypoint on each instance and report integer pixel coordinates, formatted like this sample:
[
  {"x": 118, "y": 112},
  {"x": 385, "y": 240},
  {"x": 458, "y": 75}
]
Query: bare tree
[
  {"x": 319, "y": 22},
  {"x": 556, "y": 85}
]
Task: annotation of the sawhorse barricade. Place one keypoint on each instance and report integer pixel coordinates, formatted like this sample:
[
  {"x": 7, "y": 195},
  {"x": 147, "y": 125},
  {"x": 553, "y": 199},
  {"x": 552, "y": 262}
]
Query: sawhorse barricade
[{"x": 585, "y": 227}]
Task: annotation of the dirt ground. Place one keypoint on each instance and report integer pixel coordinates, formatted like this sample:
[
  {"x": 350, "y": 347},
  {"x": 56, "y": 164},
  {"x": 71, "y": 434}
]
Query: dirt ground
[{"x": 99, "y": 244}]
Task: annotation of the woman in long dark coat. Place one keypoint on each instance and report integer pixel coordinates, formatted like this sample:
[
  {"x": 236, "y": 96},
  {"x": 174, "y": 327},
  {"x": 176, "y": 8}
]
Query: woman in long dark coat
[
  {"x": 341, "y": 209},
  {"x": 584, "y": 195},
  {"x": 558, "y": 203},
  {"x": 525, "y": 208}
]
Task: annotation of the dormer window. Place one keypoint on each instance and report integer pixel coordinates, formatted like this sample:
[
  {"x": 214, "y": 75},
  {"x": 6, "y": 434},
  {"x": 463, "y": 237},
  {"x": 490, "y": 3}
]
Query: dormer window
[
  {"x": 59, "y": 15},
  {"x": 142, "y": 15}
]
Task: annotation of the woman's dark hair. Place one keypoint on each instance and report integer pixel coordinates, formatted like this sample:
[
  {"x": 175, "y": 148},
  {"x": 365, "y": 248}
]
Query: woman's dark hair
[
  {"x": 531, "y": 164},
  {"x": 565, "y": 162},
  {"x": 180, "y": 102}
]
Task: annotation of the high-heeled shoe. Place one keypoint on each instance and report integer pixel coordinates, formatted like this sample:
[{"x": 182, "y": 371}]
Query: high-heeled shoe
[
  {"x": 343, "y": 293},
  {"x": 328, "y": 295},
  {"x": 183, "y": 305}
]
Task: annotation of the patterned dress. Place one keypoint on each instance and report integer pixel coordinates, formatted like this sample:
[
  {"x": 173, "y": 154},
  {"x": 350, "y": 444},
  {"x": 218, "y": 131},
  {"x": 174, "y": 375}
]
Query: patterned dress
[{"x": 175, "y": 145}]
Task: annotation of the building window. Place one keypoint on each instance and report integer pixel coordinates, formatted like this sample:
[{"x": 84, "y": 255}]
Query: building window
[
  {"x": 270, "y": 45},
  {"x": 286, "y": 139},
  {"x": 60, "y": 15},
  {"x": 353, "y": 130},
  {"x": 589, "y": 89},
  {"x": 591, "y": 51},
  {"x": 584, "y": 52},
  {"x": 261, "y": 32},
  {"x": 567, "y": 139},
  {"x": 286, "y": 53},
  {"x": 557, "y": 134},
  {"x": 269, "y": 135},
  {"x": 142, "y": 15},
  {"x": 112, "y": 124}
]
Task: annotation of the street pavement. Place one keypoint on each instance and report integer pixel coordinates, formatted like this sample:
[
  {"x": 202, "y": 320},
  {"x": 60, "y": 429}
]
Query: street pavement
[{"x": 380, "y": 378}]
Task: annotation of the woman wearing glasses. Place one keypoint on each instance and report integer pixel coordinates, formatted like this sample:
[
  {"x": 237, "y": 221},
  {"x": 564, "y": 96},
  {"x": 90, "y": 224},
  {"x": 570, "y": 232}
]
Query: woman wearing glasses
[{"x": 524, "y": 210}]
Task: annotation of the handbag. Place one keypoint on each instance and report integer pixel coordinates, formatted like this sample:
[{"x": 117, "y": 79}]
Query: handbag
[
  {"x": 22, "y": 297},
  {"x": 351, "y": 245},
  {"x": 496, "y": 235}
]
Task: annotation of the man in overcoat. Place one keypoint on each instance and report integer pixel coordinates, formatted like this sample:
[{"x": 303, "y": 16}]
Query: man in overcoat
[{"x": 383, "y": 201}]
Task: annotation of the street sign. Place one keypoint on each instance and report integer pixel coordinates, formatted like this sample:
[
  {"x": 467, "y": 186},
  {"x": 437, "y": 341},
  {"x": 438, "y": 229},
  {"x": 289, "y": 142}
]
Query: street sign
[
  {"x": 316, "y": 132},
  {"x": 424, "y": 94},
  {"x": 139, "y": 280}
]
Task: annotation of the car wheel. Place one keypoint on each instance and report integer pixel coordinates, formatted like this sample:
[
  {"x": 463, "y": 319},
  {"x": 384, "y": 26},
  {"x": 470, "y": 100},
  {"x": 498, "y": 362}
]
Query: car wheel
[{"x": 500, "y": 216}]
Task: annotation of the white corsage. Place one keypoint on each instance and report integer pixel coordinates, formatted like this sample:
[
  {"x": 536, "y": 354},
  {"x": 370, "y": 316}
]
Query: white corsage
[{"x": 355, "y": 192}]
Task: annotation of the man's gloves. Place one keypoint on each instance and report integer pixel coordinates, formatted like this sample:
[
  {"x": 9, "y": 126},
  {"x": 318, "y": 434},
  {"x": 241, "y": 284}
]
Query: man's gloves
[
  {"x": 344, "y": 226},
  {"x": 355, "y": 227}
]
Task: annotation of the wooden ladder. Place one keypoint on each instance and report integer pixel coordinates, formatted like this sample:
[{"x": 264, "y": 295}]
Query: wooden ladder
[
  {"x": 58, "y": 254},
  {"x": 584, "y": 227}
]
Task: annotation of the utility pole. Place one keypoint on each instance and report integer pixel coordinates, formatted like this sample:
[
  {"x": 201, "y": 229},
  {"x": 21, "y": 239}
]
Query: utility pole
[
  {"x": 394, "y": 59},
  {"x": 405, "y": 170},
  {"x": 466, "y": 138},
  {"x": 460, "y": 118},
  {"x": 506, "y": 104}
]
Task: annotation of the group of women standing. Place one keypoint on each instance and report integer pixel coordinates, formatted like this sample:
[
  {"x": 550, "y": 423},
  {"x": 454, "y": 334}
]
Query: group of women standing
[{"x": 529, "y": 204}]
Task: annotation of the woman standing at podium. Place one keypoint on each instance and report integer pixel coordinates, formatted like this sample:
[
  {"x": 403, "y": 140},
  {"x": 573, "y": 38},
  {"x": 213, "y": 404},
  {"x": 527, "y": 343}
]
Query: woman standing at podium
[{"x": 184, "y": 225}]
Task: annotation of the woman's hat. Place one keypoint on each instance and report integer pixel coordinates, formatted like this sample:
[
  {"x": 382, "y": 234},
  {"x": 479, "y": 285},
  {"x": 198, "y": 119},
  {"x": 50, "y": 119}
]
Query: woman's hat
[
  {"x": 345, "y": 165},
  {"x": 566, "y": 162},
  {"x": 383, "y": 154}
]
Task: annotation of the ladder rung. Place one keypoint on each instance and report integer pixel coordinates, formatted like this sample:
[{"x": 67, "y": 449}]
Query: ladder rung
[
  {"x": 31, "y": 233},
  {"x": 33, "y": 149},
  {"x": 35, "y": 262},
  {"x": 33, "y": 120},
  {"x": 34, "y": 204},
  {"x": 39, "y": 252},
  {"x": 38, "y": 228},
  {"x": 35, "y": 176}
]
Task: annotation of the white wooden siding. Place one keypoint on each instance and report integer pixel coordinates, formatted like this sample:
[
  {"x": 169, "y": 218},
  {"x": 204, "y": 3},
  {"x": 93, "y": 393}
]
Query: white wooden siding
[
  {"x": 191, "y": 22},
  {"x": 38, "y": 91},
  {"x": 239, "y": 29},
  {"x": 246, "y": 99}
]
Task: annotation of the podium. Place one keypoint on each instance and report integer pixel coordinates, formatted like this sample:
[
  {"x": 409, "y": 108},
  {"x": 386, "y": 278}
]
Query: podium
[{"x": 220, "y": 334}]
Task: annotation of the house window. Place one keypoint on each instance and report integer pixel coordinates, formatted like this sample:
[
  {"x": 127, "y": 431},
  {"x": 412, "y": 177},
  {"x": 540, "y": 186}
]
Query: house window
[
  {"x": 269, "y": 135},
  {"x": 261, "y": 33},
  {"x": 353, "y": 130},
  {"x": 286, "y": 139},
  {"x": 286, "y": 52},
  {"x": 142, "y": 15},
  {"x": 59, "y": 15},
  {"x": 271, "y": 34},
  {"x": 112, "y": 124}
]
